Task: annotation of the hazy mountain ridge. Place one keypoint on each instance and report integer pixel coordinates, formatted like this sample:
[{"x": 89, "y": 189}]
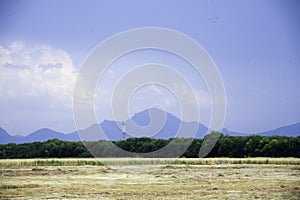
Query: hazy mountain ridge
[
  {"x": 290, "y": 130},
  {"x": 111, "y": 130}
]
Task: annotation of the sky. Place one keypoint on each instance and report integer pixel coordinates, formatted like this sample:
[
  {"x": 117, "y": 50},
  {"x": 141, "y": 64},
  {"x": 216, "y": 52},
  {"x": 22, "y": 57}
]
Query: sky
[{"x": 254, "y": 44}]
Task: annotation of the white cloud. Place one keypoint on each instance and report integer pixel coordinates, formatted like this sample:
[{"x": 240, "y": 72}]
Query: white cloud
[
  {"x": 155, "y": 88},
  {"x": 36, "y": 88},
  {"x": 168, "y": 102},
  {"x": 201, "y": 97},
  {"x": 35, "y": 71}
]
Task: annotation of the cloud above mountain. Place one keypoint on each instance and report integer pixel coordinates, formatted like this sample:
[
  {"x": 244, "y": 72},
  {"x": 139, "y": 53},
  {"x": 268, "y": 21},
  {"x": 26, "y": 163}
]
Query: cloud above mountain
[
  {"x": 35, "y": 71},
  {"x": 37, "y": 82},
  {"x": 35, "y": 79}
]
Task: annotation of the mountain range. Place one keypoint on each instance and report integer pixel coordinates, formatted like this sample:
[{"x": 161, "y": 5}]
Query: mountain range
[{"x": 163, "y": 124}]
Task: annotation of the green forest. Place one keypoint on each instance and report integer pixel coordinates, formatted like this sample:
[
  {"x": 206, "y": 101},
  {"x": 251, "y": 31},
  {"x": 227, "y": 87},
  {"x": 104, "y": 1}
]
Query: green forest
[{"x": 226, "y": 146}]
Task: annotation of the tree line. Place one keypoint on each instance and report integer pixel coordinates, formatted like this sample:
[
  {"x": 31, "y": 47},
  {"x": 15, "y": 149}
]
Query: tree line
[{"x": 226, "y": 146}]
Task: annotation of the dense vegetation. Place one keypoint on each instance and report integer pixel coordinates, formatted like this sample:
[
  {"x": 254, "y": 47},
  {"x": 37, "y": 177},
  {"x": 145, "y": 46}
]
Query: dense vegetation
[{"x": 227, "y": 146}]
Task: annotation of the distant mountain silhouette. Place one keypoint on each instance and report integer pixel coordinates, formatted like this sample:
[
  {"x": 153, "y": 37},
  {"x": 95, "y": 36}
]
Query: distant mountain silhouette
[
  {"x": 225, "y": 131},
  {"x": 48, "y": 134},
  {"x": 5, "y": 137},
  {"x": 40, "y": 135},
  {"x": 290, "y": 130},
  {"x": 152, "y": 122}
]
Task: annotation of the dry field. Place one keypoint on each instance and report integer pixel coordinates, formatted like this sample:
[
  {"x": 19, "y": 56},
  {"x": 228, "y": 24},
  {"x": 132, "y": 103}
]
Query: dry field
[{"x": 150, "y": 179}]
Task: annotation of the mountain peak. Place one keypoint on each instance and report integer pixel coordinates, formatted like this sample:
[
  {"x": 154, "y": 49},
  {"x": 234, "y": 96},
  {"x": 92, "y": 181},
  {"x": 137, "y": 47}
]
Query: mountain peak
[{"x": 153, "y": 122}]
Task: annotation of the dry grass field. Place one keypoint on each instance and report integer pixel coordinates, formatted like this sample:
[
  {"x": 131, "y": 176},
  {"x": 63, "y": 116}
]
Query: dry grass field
[{"x": 131, "y": 178}]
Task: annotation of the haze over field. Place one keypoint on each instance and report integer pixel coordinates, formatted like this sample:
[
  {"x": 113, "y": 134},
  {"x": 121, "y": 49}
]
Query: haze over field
[{"x": 254, "y": 44}]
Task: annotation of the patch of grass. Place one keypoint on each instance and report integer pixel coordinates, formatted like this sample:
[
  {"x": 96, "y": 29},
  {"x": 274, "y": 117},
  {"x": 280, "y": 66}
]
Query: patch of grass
[
  {"x": 19, "y": 186},
  {"x": 173, "y": 181},
  {"x": 49, "y": 162},
  {"x": 145, "y": 161}
]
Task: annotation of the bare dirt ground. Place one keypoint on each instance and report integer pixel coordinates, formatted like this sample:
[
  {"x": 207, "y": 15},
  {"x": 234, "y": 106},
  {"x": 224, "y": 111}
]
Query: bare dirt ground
[{"x": 232, "y": 181}]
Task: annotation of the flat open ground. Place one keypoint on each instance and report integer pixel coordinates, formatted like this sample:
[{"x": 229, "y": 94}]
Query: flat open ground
[{"x": 137, "y": 179}]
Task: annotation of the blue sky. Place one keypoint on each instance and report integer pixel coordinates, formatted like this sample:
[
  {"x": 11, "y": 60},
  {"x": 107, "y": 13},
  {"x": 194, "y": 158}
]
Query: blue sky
[{"x": 255, "y": 45}]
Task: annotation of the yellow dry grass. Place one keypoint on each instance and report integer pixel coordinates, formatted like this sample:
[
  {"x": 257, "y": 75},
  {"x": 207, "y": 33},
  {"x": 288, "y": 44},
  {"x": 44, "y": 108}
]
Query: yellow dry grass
[
  {"x": 130, "y": 180},
  {"x": 144, "y": 161}
]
